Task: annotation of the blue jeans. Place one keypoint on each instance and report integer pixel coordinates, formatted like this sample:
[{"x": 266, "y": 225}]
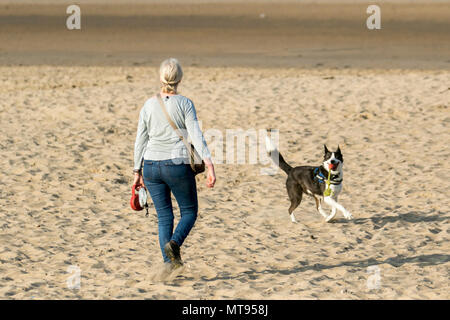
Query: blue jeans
[{"x": 161, "y": 178}]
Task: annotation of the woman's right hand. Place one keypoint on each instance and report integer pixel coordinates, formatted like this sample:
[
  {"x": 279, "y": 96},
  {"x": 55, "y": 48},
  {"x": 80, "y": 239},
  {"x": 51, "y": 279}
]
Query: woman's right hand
[
  {"x": 138, "y": 181},
  {"x": 211, "y": 176}
]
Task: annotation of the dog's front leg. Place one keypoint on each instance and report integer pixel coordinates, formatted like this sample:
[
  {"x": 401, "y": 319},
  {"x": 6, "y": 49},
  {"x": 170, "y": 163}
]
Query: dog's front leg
[
  {"x": 335, "y": 205},
  {"x": 332, "y": 214},
  {"x": 333, "y": 211},
  {"x": 319, "y": 206}
]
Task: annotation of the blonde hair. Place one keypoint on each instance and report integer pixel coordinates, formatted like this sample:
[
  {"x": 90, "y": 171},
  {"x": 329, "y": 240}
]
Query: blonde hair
[{"x": 170, "y": 74}]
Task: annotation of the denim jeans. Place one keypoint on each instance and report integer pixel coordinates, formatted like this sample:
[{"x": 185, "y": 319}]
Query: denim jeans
[{"x": 161, "y": 178}]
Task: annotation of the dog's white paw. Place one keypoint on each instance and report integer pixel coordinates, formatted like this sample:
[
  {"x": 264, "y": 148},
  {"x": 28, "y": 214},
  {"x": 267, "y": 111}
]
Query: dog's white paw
[
  {"x": 330, "y": 217},
  {"x": 293, "y": 218},
  {"x": 323, "y": 213},
  {"x": 348, "y": 215}
]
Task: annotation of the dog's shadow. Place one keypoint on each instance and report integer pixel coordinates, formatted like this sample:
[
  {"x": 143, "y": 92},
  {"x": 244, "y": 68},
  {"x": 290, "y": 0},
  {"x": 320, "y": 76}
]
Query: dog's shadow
[
  {"x": 397, "y": 261},
  {"x": 411, "y": 217}
]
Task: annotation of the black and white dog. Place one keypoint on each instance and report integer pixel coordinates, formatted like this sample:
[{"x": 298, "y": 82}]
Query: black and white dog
[{"x": 312, "y": 181}]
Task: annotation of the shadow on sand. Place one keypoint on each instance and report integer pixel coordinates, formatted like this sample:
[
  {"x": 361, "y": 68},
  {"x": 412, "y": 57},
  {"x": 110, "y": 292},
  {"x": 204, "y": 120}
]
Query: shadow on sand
[
  {"x": 410, "y": 217},
  {"x": 397, "y": 261},
  {"x": 379, "y": 222}
]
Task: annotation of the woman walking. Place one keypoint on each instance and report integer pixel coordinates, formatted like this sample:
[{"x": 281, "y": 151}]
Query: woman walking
[{"x": 161, "y": 160}]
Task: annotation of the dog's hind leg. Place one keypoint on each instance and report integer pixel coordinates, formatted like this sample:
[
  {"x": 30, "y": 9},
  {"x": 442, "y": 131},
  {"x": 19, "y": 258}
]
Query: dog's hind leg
[
  {"x": 294, "y": 204},
  {"x": 295, "y": 194}
]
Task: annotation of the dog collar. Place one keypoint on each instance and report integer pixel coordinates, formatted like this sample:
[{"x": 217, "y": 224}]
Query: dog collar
[{"x": 335, "y": 179}]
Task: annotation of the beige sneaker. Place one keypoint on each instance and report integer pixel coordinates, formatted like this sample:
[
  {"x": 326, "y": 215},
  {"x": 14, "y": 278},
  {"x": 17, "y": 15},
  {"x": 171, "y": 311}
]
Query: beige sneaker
[{"x": 172, "y": 250}]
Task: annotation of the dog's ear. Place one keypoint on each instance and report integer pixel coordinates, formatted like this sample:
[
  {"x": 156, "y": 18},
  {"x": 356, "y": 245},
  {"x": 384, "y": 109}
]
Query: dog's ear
[
  {"x": 326, "y": 149},
  {"x": 339, "y": 154}
]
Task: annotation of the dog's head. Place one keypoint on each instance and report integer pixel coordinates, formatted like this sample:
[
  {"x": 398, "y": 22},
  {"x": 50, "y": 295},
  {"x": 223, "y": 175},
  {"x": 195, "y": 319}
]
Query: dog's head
[{"x": 333, "y": 160}]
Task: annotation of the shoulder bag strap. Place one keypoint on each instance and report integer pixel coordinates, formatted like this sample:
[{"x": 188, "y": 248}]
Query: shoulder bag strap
[{"x": 172, "y": 124}]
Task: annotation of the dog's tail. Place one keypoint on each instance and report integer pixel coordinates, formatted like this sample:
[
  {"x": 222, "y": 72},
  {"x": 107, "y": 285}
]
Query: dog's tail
[{"x": 277, "y": 157}]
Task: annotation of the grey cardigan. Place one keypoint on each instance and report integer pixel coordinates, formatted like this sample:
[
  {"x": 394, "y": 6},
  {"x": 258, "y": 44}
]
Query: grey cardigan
[{"x": 157, "y": 140}]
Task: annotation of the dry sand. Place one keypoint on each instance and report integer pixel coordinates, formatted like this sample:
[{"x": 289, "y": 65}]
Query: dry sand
[
  {"x": 67, "y": 138},
  {"x": 67, "y": 144}
]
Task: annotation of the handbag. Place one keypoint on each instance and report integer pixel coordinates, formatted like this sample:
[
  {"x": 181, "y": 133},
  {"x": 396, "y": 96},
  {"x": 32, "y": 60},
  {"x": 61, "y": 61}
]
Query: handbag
[{"x": 195, "y": 161}]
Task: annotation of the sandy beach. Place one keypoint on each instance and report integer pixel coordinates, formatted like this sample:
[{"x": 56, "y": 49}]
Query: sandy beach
[{"x": 68, "y": 112}]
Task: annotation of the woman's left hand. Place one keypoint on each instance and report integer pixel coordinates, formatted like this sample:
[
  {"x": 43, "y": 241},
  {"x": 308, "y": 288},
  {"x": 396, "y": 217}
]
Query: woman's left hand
[{"x": 138, "y": 180}]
